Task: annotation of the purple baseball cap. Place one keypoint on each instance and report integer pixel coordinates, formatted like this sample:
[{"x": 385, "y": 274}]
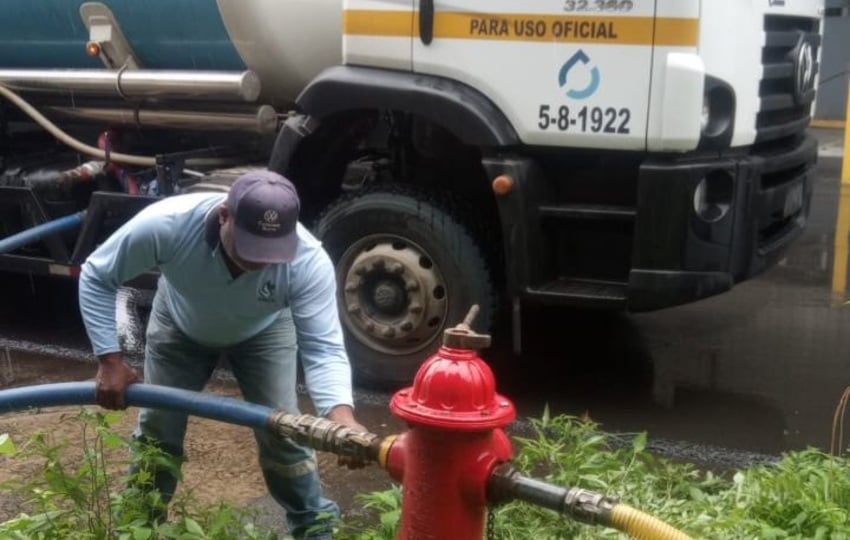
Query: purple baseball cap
[{"x": 264, "y": 207}]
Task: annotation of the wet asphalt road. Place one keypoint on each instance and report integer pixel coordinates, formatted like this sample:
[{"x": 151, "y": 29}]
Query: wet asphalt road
[{"x": 731, "y": 380}]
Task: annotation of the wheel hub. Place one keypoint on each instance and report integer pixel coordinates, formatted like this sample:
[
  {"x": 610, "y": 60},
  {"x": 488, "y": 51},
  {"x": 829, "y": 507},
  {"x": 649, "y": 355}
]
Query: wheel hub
[
  {"x": 389, "y": 297},
  {"x": 394, "y": 296}
]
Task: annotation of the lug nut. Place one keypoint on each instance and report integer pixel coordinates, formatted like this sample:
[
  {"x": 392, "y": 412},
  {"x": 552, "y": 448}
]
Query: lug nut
[
  {"x": 415, "y": 308},
  {"x": 396, "y": 268},
  {"x": 407, "y": 326},
  {"x": 411, "y": 286},
  {"x": 354, "y": 309},
  {"x": 389, "y": 332},
  {"x": 350, "y": 287},
  {"x": 360, "y": 270}
]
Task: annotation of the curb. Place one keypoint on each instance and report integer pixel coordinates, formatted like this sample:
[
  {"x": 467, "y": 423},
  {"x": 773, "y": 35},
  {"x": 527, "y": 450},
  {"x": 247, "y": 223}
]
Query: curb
[{"x": 828, "y": 124}]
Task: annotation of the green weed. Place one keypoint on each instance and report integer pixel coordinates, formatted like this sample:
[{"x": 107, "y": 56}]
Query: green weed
[{"x": 79, "y": 496}]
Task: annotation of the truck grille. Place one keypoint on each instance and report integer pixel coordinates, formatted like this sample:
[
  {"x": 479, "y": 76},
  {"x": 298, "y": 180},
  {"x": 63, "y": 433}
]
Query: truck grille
[{"x": 787, "y": 88}]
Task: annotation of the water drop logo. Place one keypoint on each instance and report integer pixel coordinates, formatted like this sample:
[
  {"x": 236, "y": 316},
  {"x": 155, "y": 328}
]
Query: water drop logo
[
  {"x": 266, "y": 292},
  {"x": 578, "y": 93}
]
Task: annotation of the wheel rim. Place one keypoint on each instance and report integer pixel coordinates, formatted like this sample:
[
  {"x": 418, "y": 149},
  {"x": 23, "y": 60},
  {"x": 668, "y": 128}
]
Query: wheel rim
[{"x": 394, "y": 298}]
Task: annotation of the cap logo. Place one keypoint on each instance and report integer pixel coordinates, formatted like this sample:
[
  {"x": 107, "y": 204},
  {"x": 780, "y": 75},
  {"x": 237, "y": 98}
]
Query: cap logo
[{"x": 270, "y": 222}]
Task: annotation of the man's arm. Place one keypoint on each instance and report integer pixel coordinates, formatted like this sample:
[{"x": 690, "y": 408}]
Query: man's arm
[
  {"x": 322, "y": 346},
  {"x": 139, "y": 245},
  {"x": 320, "y": 339}
]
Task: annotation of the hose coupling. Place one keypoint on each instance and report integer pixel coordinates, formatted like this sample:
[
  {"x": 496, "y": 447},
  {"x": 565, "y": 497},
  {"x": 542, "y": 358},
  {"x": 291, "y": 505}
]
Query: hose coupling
[
  {"x": 326, "y": 436},
  {"x": 506, "y": 483},
  {"x": 589, "y": 507}
]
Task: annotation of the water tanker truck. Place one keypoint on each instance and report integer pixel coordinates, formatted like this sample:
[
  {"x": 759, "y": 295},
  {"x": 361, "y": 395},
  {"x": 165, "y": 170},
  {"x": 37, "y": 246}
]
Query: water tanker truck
[{"x": 610, "y": 154}]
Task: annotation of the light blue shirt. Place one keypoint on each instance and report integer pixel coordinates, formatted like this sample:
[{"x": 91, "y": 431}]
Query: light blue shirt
[{"x": 207, "y": 303}]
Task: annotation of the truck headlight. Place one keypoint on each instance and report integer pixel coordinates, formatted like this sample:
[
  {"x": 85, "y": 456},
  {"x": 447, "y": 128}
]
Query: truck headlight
[
  {"x": 718, "y": 110},
  {"x": 718, "y": 115},
  {"x": 706, "y": 114}
]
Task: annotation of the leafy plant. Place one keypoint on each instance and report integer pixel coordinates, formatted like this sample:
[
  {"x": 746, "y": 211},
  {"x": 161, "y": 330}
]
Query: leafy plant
[
  {"x": 386, "y": 511},
  {"x": 77, "y": 495}
]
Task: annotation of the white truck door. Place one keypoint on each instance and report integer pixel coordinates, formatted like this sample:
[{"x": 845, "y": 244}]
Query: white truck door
[
  {"x": 573, "y": 73},
  {"x": 378, "y": 33}
]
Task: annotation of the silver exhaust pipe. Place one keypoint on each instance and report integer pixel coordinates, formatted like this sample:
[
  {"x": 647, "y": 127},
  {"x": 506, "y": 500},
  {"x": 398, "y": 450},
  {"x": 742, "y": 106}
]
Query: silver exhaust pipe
[
  {"x": 263, "y": 119},
  {"x": 137, "y": 83}
]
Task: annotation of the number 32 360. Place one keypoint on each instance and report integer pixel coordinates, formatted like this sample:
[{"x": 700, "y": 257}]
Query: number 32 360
[
  {"x": 598, "y": 5},
  {"x": 585, "y": 119}
]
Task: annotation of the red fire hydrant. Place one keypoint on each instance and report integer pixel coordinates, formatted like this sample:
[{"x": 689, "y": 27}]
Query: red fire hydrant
[{"x": 454, "y": 442}]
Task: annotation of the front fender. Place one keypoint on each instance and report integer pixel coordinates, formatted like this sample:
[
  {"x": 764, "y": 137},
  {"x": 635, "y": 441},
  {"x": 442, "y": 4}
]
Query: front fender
[{"x": 461, "y": 109}]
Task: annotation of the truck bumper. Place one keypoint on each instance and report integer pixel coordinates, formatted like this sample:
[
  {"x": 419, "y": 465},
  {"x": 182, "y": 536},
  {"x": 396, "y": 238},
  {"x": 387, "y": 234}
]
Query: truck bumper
[{"x": 703, "y": 225}]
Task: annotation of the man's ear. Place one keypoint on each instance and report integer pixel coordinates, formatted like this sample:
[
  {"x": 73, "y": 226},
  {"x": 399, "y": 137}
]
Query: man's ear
[{"x": 223, "y": 214}]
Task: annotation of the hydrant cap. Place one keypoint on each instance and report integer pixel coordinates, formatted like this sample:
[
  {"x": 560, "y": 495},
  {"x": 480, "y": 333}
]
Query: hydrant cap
[{"x": 454, "y": 389}]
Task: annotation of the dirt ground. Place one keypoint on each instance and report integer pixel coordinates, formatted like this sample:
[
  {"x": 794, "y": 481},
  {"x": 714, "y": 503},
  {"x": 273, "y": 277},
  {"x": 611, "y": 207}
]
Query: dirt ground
[{"x": 221, "y": 457}]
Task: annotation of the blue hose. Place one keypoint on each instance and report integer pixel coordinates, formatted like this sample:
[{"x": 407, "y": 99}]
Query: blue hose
[
  {"x": 149, "y": 396},
  {"x": 66, "y": 223}
]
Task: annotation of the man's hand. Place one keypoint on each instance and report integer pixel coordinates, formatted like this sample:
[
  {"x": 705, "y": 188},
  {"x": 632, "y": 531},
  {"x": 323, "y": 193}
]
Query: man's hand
[
  {"x": 113, "y": 378},
  {"x": 343, "y": 414}
]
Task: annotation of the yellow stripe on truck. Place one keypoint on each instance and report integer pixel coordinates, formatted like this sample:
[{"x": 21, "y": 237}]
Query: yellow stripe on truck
[
  {"x": 363, "y": 22},
  {"x": 666, "y": 31},
  {"x": 671, "y": 32}
]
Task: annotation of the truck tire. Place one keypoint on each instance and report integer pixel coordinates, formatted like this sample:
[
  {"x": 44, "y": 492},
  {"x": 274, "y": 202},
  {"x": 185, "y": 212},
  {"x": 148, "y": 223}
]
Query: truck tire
[
  {"x": 132, "y": 309},
  {"x": 406, "y": 270}
]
